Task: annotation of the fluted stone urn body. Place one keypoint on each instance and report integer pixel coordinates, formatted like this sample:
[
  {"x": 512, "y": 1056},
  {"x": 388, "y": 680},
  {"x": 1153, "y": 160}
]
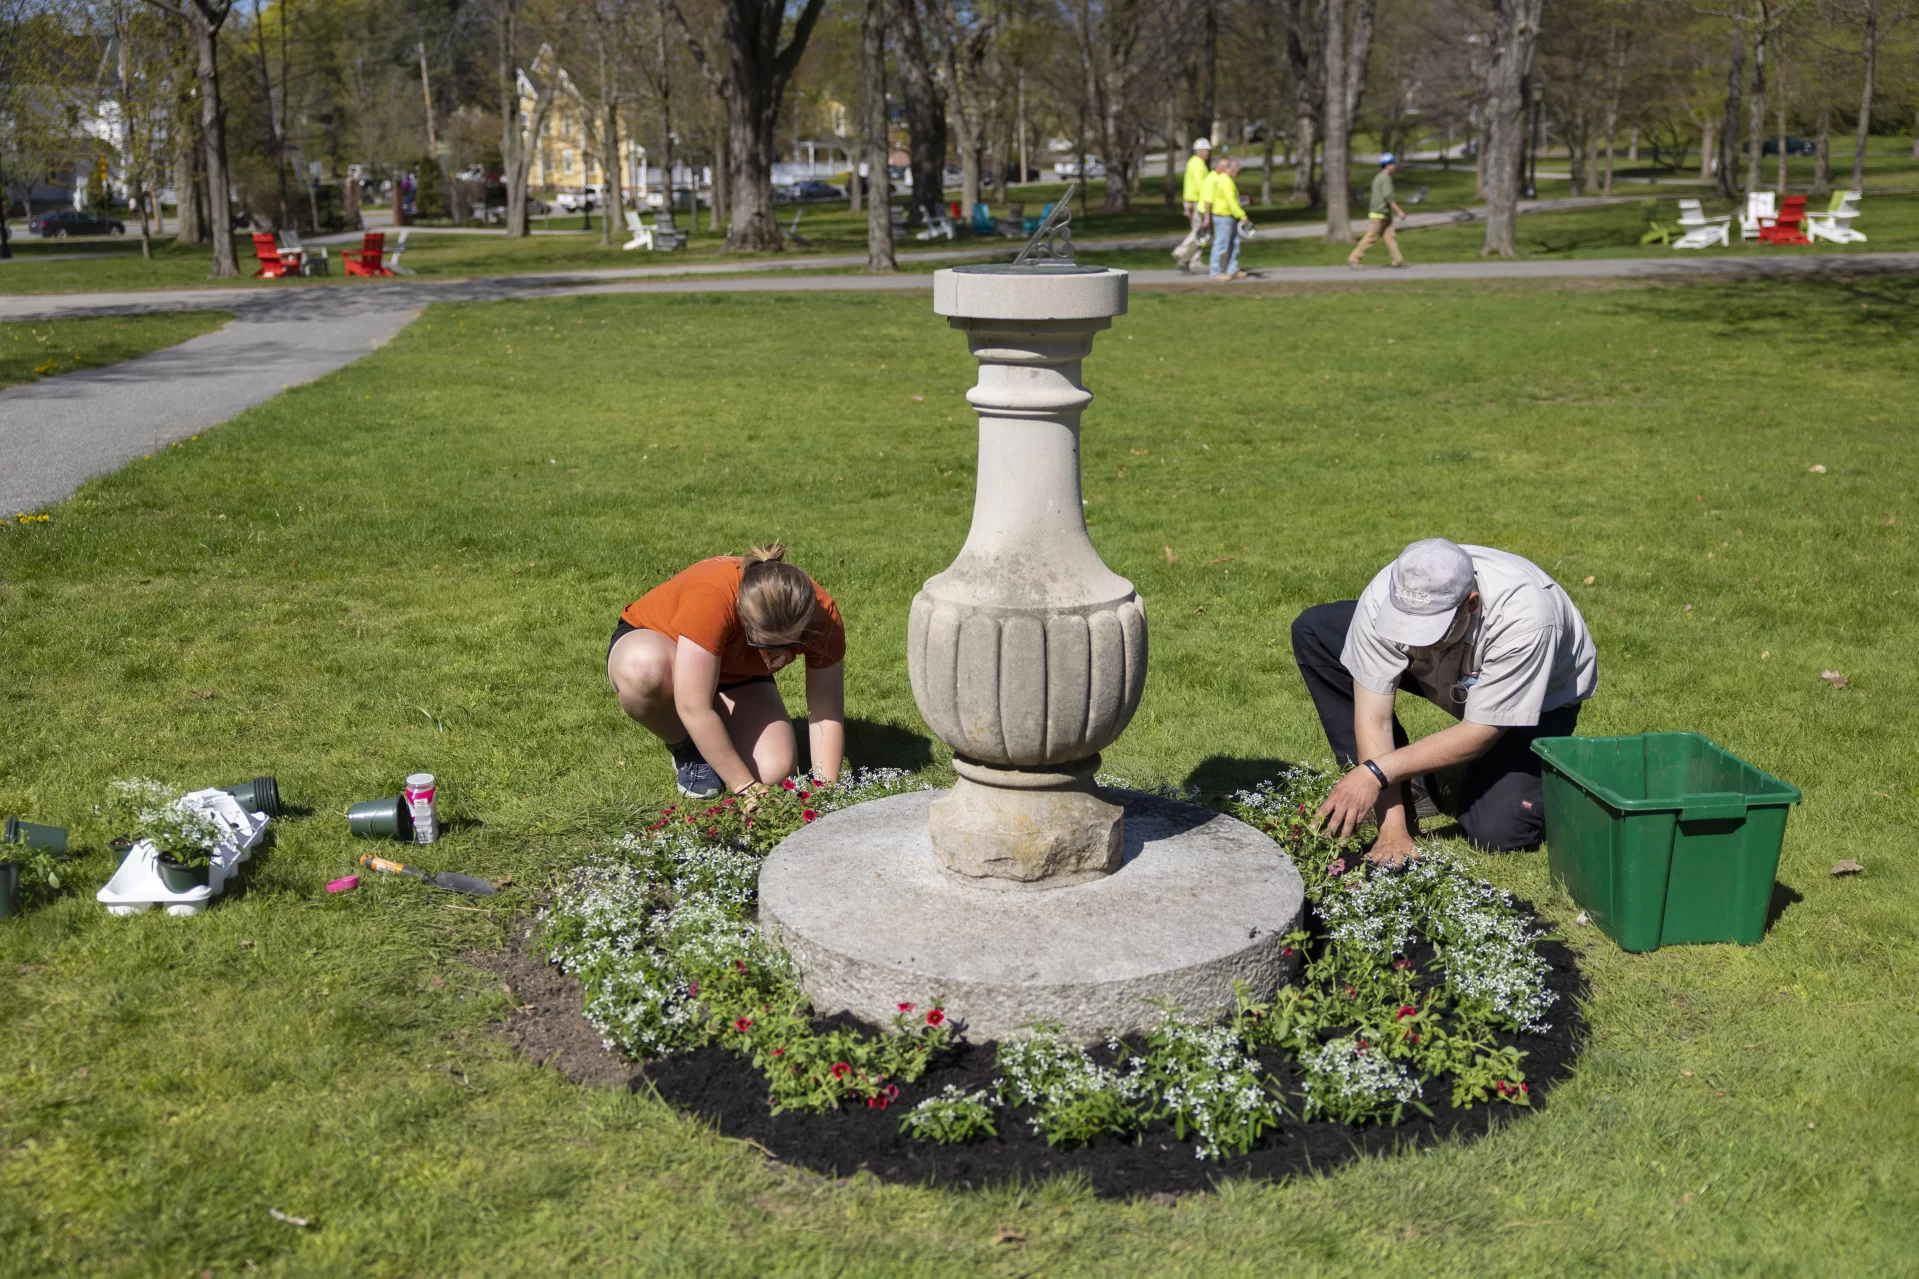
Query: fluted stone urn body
[{"x": 1028, "y": 655}]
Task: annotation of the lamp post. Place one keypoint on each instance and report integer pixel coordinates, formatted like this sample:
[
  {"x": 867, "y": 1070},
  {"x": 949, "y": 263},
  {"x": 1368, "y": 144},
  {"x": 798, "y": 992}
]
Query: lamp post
[{"x": 1532, "y": 160}]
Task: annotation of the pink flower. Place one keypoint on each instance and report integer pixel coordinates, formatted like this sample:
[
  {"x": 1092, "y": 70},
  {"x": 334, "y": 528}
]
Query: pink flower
[
  {"x": 807, "y": 814},
  {"x": 742, "y": 1024},
  {"x": 935, "y": 1017},
  {"x": 1402, "y": 963},
  {"x": 693, "y": 989},
  {"x": 892, "y": 1092},
  {"x": 1338, "y": 867},
  {"x": 906, "y": 1008},
  {"x": 787, "y": 784}
]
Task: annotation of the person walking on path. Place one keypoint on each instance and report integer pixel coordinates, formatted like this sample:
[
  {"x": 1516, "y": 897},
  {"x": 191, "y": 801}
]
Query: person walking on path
[
  {"x": 1380, "y": 212},
  {"x": 1484, "y": 635},
  {"x": 1219, "y": 196},
  {"x": 1198, "y": 169},
  {"x": 693, "y": 661}
]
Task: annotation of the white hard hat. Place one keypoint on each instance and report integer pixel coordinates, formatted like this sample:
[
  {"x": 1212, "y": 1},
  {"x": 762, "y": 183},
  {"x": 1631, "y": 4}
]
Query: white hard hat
[{"x": 1201, "y": 144}]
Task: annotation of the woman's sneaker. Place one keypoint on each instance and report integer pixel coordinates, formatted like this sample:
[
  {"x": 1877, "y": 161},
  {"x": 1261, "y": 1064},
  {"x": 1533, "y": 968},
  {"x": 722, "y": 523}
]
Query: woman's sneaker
[{"x": 695, "y": 776}]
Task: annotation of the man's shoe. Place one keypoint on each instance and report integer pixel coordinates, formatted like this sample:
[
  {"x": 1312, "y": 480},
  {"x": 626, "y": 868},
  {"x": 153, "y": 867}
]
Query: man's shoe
[
  {"x": 1352, "y": 264},
  {"x": 1401, "y": 263},
  {"x": 1238, "y": 275}
]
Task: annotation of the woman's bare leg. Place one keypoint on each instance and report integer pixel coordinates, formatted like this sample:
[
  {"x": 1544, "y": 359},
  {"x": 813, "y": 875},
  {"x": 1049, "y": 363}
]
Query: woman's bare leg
[
  {"x": 755, "y": 718},
  {"x": 640, "y": 668}
]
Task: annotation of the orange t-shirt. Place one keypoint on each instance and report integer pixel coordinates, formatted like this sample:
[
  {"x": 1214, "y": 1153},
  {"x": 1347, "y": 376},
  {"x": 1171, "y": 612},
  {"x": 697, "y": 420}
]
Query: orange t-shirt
[{"x": 702, "y": 604}]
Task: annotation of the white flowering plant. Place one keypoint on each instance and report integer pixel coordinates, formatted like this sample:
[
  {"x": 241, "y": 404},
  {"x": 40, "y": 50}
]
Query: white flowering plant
[
  {"x": 952, "y": 1116},
  {"x": 1207, "y": 1083},
  {"x": 144, "y": 808},
  {"x": 1074, "y": 1097}
]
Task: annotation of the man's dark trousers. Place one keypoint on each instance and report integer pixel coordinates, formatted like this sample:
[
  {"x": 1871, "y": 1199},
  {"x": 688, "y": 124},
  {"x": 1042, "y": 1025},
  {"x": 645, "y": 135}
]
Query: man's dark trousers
[{"x": 1502, "y": 805}]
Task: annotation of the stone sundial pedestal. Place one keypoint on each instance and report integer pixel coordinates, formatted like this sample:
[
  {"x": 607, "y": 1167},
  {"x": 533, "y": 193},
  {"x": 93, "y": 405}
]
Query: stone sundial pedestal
[{"x": 1027, "y": 892}]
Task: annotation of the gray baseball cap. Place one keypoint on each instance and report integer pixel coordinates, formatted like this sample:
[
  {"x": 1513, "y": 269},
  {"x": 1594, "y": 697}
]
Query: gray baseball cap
[{"x": 1429, "y": 581}]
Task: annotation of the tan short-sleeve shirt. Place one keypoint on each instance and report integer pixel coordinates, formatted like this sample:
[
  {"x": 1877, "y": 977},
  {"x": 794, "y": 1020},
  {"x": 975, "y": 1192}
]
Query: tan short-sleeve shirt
[{"x": 1527, "y": 650}]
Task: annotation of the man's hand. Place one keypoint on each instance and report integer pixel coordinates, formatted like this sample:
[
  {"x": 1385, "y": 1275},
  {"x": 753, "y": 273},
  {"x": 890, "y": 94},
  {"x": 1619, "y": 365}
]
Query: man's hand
[{"x": 1350, "y": 804}]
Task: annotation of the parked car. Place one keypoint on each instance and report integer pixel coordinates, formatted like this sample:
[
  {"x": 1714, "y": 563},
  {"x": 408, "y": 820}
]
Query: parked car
[
  {"x": 571, "y": 201},
  {"x": 811, "y": 189},
  {"x": 1069, "y": 168},
  {"x": 1794, "y": 146},
  {"x": 62, "y": 223}
]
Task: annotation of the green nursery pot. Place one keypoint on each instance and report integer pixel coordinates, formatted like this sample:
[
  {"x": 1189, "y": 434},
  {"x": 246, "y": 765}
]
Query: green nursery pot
[
  {"x": 33, "y": 835},
  {"x": 261, "y": 795},
  {"x": 387, "y": 818},
  {"x": 9, "y": 889},
  {"x": 121, "y": 846},
  {"x": 181, "y": 879}
]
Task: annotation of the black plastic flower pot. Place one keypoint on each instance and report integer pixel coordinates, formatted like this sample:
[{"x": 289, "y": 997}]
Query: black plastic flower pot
[
  {"x": 9, "y": 889},
  {"x": 386, "y": 818},
  {"x": 52, "y": 839},
  {"x": 121, "y": 846},
  {"x": 182, "y": 879},
  {"x": 261, "y": 795}
]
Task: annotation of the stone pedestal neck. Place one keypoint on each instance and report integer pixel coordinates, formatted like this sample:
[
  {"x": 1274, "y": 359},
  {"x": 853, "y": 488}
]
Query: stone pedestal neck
[{"x": 1028, "y": 655}]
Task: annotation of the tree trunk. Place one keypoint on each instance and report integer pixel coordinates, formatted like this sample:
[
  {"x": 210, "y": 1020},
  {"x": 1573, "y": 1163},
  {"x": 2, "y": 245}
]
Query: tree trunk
[
  {"x": 1616, "y": 46},
  {"x": 1509, "y": 79},
  {"x": 879, "y": 207},
  {"x": 1307, "y": 91},
  {"x": 1266, "y": 173},
  {"x": 519, "y": 136},
  {"x": 1338, "y": 144},
  {"x": 1172, "y": 195},
  {"x": 664, "y": 83},
  {"x": 1728, "y": 175},
  {"x": 925, "y": 117},
  {"x": 270, "y": 116},
  {"x": 213, "y": 129},
  {"x": 1756, "y": 107},
  {"x": 1822, "y": 153},
  {"x": 1864, "y": 126},
  {"x": 1209, "y": 79},
  {"x": 1706, "y": 152},
  {"x": 723, "y": 182},
  {"x": 1780, "y": 115}
]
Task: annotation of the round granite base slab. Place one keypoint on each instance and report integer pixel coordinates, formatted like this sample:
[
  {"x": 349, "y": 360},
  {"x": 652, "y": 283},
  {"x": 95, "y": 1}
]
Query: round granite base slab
[{"x": 872, "y": 920}]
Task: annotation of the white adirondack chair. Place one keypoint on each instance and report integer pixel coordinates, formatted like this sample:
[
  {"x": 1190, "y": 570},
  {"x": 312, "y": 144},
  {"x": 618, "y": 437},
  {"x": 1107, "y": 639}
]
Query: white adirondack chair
[
  {"x": 1702, "y": 231},
  {"x": 393, "y": 258},
  {"x": 1760, "y": 207},
  {"x": 642, "y": 234},
  {"x": 1835, "y": 223}
]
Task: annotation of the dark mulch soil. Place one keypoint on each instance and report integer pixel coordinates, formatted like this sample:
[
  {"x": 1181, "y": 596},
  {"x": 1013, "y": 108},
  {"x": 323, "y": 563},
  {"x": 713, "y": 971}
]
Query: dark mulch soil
[{"x": 728, "y": 1092}]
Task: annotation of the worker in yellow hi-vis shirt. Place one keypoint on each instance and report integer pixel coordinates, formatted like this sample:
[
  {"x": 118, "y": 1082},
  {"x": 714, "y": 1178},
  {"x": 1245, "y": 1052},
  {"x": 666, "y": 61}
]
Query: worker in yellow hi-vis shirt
[
  {"x": 1380, "y": 212},
  {"x": 1198, "y": 169},
  {"x": 1219, "y": 196}
]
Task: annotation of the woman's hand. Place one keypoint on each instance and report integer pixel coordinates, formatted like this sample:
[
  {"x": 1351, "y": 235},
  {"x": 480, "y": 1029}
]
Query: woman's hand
[{"x": 750, "y": 796}]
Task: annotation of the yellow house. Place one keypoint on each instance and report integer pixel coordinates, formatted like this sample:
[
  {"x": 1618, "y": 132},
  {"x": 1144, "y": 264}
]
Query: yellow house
[{"x": 567, "y": 157}]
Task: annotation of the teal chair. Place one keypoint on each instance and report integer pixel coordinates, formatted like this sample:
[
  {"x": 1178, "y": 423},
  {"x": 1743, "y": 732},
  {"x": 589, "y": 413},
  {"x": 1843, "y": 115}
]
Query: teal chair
[{"x": 982, "y": 218}]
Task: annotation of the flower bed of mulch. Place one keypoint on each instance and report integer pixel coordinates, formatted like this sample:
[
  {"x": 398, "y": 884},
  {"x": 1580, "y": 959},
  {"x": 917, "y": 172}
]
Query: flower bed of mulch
[{"x": 726, "y": 1090}]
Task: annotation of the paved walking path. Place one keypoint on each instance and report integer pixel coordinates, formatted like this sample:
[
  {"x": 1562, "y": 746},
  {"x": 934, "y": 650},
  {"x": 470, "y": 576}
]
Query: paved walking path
[{"x": 56, "y": 433}]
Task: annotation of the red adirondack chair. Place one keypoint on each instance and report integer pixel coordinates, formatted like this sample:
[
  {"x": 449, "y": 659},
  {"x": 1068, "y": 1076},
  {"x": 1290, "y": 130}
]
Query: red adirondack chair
[
  {"x": 272, "y": 265},
  {"x": 1789, "y": 227},
  {"x": 367, "y": 261}
]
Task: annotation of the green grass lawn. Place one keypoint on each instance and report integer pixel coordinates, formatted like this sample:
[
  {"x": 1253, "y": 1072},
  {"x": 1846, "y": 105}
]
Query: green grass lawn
[
  {"x": 30, "y": 351},
  {"x": 414, "y": 563}
]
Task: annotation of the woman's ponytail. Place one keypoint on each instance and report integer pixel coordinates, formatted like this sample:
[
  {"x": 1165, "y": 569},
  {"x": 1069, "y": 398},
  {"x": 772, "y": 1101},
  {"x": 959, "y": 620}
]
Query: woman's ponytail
[{"x": 777, "y": 599}]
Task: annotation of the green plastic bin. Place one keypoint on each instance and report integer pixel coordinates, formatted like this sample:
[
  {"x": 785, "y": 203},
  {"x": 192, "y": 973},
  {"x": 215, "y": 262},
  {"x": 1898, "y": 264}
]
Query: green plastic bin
[{"x": 1665, "y": 839}]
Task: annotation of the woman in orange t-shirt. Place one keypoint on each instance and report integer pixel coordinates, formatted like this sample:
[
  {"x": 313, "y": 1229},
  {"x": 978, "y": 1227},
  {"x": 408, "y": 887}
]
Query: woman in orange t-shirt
[{"x": 693, "y": 660}]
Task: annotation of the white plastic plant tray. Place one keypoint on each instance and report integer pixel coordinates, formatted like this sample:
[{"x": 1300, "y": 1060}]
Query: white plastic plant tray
[{"x": 137, "y": 887}]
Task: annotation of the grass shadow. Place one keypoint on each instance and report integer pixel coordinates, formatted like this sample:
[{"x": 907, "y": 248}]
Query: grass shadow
[
  {"x": 872, "y": 744},
  {"x": 1218, "y": 776},
  {"x": 1783, "y": 900}
]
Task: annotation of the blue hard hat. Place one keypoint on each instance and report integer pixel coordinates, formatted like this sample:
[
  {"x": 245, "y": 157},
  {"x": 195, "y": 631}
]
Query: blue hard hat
[{"x": 1388, "y": 158}]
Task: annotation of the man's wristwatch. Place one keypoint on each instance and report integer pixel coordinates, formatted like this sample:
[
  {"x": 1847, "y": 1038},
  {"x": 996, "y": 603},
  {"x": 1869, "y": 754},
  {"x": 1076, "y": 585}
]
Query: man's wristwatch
[{"x": 1378, "y": 772}]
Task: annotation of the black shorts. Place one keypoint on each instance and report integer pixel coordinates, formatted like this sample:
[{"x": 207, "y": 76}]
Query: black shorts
[{"x": 624, "y": 627}]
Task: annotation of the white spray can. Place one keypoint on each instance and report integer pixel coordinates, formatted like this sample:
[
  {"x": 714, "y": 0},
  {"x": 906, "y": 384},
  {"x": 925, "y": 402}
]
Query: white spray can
[{"x": 419, "y": 802}]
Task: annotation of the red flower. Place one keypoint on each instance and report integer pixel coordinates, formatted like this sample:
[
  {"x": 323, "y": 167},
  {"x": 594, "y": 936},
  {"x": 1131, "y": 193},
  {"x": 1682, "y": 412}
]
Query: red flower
[
  {"x": 1526, "y": 1088},
  {"x": 1351, "y": 993},
  {"x": 667, "y": 811},
  {"x": 805, "y": 795},
  {"x": 739, "y": 965},
  {"x": 906, "y": 1008},
  {"x": 658, "y": 824},
  {"x": 1407, "y": 1010},
  {"x": 781, "y": 1052},
  {"x": 872, "y": 1102},
  {"x": 841, "y": 1070},
  {"x": 935, "y": 1017},
  {"x": 713, "y": 811},
  {"x": 689, "y": 819},
  {"x": 884, "y": 1102},
  {"x": 1411, "y": 1036},
  {"x": 787, "y": 784},
  {"x": 726, "y": 804},
  {"x": 742, "y": 1024},
  {"x": 1364, "y": 1045},
  {"x": 892, "y": 1091},
  {"x": 807, "y": 814},
  {"x": 712, "y": 832},
  {"x": 1402, "y": 963},
  {"x": 1287, "y": 951},
  {"x": 693, "y": 989},
  {"x": 1503, "y": 1087}
]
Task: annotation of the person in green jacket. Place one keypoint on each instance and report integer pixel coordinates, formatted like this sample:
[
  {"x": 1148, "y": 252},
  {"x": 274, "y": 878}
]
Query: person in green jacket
[
  {"x": 1198, "y": 169},
  {"x": 1380, "y": 212},
  {"x": 1219, "y": 196}
]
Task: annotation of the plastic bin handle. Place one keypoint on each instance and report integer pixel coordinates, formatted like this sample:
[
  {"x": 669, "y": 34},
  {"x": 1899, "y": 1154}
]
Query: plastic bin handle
[{"x": 1717, "y": 806}]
